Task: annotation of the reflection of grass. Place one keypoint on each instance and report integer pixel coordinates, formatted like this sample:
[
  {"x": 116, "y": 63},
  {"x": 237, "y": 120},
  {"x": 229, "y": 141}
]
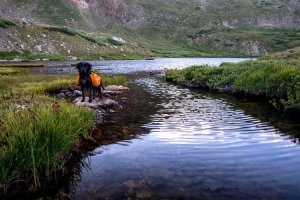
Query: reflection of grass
[{"x": 37, "y": 131}]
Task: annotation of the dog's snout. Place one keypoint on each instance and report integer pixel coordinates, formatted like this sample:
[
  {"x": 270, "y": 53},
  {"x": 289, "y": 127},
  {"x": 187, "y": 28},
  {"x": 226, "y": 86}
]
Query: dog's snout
[{"x": 83, "y": 81}]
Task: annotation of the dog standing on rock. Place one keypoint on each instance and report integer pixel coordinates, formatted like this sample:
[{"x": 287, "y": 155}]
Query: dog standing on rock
[{"x": 89, "y": 80}]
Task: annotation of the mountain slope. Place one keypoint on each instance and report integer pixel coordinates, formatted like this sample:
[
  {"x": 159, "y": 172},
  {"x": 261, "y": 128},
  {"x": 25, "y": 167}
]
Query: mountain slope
[{"x": 232, "y": 27}]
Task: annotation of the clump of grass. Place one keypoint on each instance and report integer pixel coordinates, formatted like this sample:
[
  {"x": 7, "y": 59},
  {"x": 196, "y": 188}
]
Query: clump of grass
[
  {"x": 35, "y": 140},
  {"x": 22, "y": 65},
  {"x": 42, "y": 86},
  {"x": 99, "y": 40},
  {"x": 62, "y": 29},
  {"x": 13, "y": 71},
  {"x": 9, "y": 55},
  {"x": 113, "y": 80},
  {"x": 4, "y": 22}
]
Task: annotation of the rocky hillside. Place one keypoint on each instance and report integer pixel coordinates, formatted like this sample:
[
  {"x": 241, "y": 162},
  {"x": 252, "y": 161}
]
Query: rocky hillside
[{"x": 228, "y": 27}]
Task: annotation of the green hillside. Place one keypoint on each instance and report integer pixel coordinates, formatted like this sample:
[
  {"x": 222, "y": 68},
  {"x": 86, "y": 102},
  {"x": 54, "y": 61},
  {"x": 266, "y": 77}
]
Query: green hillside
[{"x": 215, "y": 27}]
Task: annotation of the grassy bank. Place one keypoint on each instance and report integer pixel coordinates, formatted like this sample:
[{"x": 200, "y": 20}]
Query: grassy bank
[
  {"x": 38, "y": 132},
  {"x": 267, "y": 78}
]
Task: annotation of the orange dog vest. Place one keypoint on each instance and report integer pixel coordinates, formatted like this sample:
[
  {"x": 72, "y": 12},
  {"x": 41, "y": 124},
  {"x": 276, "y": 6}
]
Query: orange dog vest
[{"x": 96, "y": 80}]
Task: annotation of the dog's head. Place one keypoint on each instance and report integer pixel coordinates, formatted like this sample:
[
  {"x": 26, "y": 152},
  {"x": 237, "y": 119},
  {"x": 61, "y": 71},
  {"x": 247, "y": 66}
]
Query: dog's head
[{"x": 84, "y": 69}]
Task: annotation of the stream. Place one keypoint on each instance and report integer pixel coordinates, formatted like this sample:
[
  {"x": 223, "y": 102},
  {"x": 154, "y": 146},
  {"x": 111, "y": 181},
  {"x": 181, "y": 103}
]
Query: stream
[{"x": 187, "y": 143}]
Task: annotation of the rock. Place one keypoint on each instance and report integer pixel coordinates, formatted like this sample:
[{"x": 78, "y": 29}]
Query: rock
[
  {"x": 22, "y": 47},
  {"x": 99, "y": 115},
  {"x": 72, "y": 58},
  {"x": 213, "y": 185},
  {"x": 129, "y": 183},
  {"x": 61, "y": 96},
  {"x": 26, "y": 22},
  {"x": 110, "y": 92},
  {"x": 116, "y": 88},
  {"x": 143, "y": 193},
  {"x": 96, "y": 103},
  {"x": 38, "y": 48},
  {"x": 118, "y": 39},
  {"x": 77, "y": 93}
]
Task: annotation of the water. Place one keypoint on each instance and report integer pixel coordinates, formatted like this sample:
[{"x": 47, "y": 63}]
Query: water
[
  {"x": 130, "y": 66},
  {"x": 192, "y": 145},
  {"x": 189, "y": 144}
]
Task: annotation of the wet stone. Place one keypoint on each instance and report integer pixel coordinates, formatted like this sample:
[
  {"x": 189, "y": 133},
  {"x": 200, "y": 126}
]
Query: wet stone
[
  {"x": 116, "y": 87},
  {"x": 129, "y": 183},
  {"x": 212, "y": 184},
  {"x": 96, "y": 103},
  {"x": 113, "y": 191},
  {"x": 61, "y": 96},
  {"x": 143, "y": 193}
]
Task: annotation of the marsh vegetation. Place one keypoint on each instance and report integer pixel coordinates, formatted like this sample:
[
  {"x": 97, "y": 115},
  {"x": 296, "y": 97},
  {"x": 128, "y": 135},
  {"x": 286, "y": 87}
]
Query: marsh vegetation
[
  {"x": 277, "y": 80},
  {"x": 37, "y": 131}
]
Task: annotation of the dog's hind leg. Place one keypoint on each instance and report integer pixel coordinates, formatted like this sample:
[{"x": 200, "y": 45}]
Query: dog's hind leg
[
  {"x": 94, "y": 93},
  {"x": 100, "y": 91}
]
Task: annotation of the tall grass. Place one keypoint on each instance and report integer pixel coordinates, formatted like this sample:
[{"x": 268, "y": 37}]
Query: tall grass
[
  {"x": 37, "y": 132},
  {"x": 114, "y": 80},
  {"x": 35, "y": 141}
]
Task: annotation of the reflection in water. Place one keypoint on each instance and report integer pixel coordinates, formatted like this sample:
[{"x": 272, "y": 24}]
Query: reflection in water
[{"x": 198, "y": 147}]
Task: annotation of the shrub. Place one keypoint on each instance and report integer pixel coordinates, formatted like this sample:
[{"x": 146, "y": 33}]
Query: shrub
[
  {"x": 62, "y": 29},
  {"x": 278, "y": 80}
]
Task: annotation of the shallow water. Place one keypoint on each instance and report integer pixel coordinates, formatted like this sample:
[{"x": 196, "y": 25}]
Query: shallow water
[{"x": 192, "y": 145}]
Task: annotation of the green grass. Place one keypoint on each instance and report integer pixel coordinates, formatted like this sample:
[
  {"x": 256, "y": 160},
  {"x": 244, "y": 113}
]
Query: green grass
[
  {"x": 4, "y": 22},
  {"x": 36, "y": 140},
  {"x": 278, "y": 81},
  {"x": 62, "y": 29},
  {"x": 22, "y": 65},
  {"x": 12, "y": 71},
  {"x": 37, "y": 132}
]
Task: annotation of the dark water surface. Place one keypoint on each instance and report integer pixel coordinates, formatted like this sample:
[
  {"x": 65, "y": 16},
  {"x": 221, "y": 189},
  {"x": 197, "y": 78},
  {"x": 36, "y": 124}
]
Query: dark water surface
[
  {"x": 189, "y": 144},
  {"x": 193, "y": 145}
]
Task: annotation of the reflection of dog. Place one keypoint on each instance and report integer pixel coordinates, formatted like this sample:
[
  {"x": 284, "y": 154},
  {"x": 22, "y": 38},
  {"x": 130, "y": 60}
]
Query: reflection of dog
[{"x": 85, "y": 80}]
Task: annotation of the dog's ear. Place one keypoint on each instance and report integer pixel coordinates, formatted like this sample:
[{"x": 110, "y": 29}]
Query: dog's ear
[
  {"x": 89, "y": 67},
  {"x": 78, "y": 65}
]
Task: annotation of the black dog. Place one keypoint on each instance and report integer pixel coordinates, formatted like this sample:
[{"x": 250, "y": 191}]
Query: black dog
[{"x": 85, "y": 70}]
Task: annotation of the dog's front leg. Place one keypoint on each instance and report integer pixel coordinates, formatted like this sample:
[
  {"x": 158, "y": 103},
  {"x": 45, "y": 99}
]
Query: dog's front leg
[
  {"x": 82, "y": 91},
  {"x": 90, "y": 97}
]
